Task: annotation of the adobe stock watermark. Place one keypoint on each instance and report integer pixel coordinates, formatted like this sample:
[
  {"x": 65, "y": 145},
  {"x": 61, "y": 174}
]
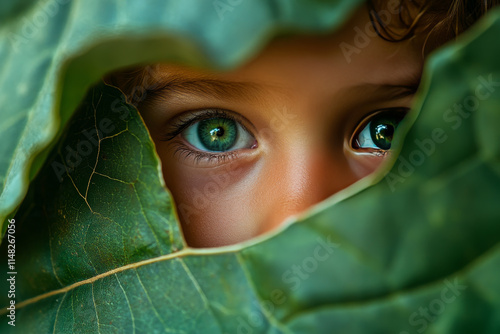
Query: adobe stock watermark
[
  {"x": 428, "y": 314},
  {"x": 406, "y": 164},
  {"x": 31, "y": 25},
  {"x": 11, "y": 271},
  {"x": 293, "y": 277},
  {"x": 89, "y": 143},
  {"x": 223, "y": 6},
  {"x": 220, "y": 178},
  {"x": 365, "y": 34},
  {"x": 298, "y": 273}
]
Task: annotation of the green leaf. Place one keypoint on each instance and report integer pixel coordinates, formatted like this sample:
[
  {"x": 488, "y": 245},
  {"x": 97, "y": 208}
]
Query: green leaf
[{"x": 416, "y": 252}]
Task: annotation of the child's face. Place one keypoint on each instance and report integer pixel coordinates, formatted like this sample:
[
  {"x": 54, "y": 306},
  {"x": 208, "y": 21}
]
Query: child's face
[{"x": 244, "y": 150}]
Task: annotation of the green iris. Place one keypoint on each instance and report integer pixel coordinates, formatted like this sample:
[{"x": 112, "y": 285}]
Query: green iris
[
  {"x": 382, "y": 128},
  {"x": 217, "y": 134}
]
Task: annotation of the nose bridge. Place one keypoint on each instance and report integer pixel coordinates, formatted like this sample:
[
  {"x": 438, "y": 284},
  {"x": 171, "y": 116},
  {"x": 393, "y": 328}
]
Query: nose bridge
[{"x": 303, "y": 178}]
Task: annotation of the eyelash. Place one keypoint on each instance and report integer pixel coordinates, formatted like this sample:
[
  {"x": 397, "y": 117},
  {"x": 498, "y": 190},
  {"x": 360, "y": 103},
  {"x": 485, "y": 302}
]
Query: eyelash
[
  {"x": 185, "y": 151},
  {"x": 180, "y": 124}
]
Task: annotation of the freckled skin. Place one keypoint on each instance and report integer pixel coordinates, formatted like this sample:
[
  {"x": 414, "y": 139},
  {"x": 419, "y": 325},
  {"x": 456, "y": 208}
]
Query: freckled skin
[{"x": 303, "y": 120}]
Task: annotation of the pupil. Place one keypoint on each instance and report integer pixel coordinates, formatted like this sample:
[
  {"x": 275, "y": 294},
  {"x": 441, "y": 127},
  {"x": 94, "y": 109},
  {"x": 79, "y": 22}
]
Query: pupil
[
  {"x": 384, "y": 132},
  {"x": 383, "y": 135},
  {"x": 383, "y": 127},
  {"x": 217, "y": 134}
]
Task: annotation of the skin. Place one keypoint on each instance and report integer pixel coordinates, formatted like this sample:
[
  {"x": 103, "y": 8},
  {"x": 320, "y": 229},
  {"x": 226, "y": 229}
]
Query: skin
[{"x": 302, "y": 102}]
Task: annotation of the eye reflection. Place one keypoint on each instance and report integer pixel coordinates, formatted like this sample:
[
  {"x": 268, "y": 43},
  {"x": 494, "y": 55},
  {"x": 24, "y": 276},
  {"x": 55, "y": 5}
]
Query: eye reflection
[{"x": 377, "y": 131}]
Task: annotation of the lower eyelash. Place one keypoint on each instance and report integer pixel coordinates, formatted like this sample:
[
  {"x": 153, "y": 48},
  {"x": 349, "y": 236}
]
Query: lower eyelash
[
  {"x": 186, "y": 152},
  {"x": 375, "y": 152},
  {"x": 380, "y": 153}
]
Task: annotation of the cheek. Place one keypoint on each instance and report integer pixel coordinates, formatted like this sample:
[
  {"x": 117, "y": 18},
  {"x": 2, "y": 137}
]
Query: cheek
[{"x": 212, "y": 203}]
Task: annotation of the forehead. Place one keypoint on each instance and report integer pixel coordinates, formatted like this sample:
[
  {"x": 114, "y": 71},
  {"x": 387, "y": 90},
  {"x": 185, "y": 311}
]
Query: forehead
[
  {"x": 352, "y": 56},
  {"x": 345, "y": 61}
]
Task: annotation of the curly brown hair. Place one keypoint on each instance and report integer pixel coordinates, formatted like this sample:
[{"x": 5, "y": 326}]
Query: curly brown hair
[{"x": 441, "y": 19}]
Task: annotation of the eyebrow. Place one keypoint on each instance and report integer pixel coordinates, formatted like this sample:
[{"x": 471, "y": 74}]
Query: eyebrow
[
  {"x": 391, "y": 91},
  {"x": 402, "y": 85},
  {"x": 177, "y": 85},
  {"x": 206, "y": 87}
]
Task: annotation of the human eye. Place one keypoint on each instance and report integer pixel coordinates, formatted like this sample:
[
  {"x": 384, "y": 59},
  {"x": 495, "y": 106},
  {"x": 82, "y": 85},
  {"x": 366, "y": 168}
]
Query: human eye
[
  {"x": 212, "y": 134},
  {"x": 375, "y": 133}
]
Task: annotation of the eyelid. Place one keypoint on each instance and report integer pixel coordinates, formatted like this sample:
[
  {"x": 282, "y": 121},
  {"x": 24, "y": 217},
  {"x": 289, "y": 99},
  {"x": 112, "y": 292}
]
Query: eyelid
[
  {"x": 177, "y": 124},
  {"x": 366, "y": 120}
]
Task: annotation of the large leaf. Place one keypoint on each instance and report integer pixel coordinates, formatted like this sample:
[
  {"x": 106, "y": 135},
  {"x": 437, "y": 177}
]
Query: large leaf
[
  {"x": 418, "y": 251},
  {"x": 51, "y": 51}
]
